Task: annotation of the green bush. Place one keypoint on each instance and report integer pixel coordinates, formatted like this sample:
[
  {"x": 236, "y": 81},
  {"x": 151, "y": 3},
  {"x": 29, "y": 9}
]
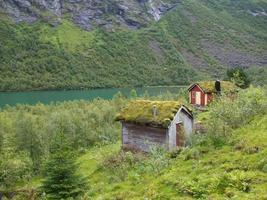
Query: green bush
[
  {"x": 158, "y": 160},
  {"x": 120, "y": 164},
  {"x": 14, "y": 168},
  {"x": 236, "y": 179},
  {"x": 226, "y": 114},
  {"x": 29, "y": 132},
  {"x": 238, "y": 76}
]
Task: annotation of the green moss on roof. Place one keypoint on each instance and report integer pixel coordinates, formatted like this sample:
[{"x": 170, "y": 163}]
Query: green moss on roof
[
  {"x": 226, "y": 86},
  {"x": 141, "y": 112}
]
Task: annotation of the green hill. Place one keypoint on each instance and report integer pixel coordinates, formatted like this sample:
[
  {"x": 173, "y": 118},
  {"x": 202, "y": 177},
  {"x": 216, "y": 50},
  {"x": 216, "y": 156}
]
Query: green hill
[
  {"x": 236, "y": 171},
  {"x": 194, "y": 40}
]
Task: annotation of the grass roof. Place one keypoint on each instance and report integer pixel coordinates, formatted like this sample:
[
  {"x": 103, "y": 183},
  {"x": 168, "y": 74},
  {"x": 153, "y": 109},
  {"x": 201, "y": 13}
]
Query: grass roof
[
  {"x": 141, "y": 112},
  {"x": 226, "y": 86}
]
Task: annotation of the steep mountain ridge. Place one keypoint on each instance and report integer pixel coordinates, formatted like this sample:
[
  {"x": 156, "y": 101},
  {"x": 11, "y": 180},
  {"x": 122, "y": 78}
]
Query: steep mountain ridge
[
  {"x": 171, "y": 42},
  {"x": 88, "y": 13}
]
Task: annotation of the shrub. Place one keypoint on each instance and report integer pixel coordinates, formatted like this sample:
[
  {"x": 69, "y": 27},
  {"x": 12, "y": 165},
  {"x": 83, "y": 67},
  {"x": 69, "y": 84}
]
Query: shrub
[
  {"x": 158, "y": 160},
  {"x": 226, "y": 114},
  {"x": 236, "y": 179},
  {"x": 191, "y": 153},
  {"x": 14, "y": 168},
  {"x": 119, "y": 164},
  {"x": 239, "y": 77}
]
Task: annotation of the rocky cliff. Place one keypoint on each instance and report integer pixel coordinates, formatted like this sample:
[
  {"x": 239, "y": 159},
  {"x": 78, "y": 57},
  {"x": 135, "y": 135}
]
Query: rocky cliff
[{"x": 89, "y": 13}]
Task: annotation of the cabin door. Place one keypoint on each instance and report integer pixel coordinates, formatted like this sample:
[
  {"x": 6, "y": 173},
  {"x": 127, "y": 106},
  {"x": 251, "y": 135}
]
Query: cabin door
[
  {"x": 198, "y": 98},
  {"x": 179, "y": 134}
]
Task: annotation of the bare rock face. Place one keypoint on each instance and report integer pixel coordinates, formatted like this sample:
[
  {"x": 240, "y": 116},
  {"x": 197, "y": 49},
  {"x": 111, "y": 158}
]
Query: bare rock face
[
  {"x": 159, "y": 8},
  {"x": 132, "y": 14}
]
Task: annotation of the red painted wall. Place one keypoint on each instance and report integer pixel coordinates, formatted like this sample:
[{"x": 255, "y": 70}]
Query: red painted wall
[{"x": 196, "y": 88}]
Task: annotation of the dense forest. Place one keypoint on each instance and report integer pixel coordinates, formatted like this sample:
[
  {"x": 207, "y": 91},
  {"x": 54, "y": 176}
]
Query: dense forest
[
  {"x": 226, "y": 161},
  {"x": 195, "y": 40}
]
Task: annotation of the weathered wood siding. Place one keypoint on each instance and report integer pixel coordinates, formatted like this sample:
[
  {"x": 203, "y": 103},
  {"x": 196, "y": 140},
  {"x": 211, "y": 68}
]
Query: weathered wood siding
[
  {"x": 143, "y": 137},
  {"x": 187, "y": 122}
]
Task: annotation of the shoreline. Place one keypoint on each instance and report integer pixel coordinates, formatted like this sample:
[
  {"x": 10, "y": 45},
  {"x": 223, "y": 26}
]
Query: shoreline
[{"x": 88, "y": 89}]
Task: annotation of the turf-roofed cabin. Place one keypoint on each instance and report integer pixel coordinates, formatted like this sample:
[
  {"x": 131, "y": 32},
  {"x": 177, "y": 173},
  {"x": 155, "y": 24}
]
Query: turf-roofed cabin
[
  {"x": 202, "y": 93},
  {"x": 149, "y": 123}
]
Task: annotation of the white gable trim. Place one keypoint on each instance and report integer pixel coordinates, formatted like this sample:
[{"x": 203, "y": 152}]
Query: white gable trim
[{"x": 195, "y": 84}]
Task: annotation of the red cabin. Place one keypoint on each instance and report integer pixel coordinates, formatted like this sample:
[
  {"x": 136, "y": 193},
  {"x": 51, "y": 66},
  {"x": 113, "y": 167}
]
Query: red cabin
[
  {"x": 202, "y": 93},
  {"x": 197, "y": 96}
]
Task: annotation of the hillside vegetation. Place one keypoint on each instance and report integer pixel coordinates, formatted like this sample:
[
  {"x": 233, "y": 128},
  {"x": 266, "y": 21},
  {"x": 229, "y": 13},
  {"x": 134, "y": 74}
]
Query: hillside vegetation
[
  {"x": 195, "y": 40},
  {"x": 228, "y": 161},
  {"x": 235, "y": 171}
]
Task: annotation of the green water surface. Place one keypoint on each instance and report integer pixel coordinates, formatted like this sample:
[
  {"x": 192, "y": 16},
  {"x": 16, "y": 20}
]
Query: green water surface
[{"x": 46, "y": 97}]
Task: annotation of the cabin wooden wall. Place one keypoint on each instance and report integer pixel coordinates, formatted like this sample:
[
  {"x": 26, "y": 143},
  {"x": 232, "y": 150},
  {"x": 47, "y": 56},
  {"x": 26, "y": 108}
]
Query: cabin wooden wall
[
  {"x": 143, "y": 137},
  {"x": 187, "y": 122},
  {"x": 192, "y": 98}
]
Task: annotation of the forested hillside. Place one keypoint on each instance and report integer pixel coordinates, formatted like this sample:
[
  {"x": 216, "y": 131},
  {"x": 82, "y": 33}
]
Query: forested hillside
[{"x": 192, "y": 40}]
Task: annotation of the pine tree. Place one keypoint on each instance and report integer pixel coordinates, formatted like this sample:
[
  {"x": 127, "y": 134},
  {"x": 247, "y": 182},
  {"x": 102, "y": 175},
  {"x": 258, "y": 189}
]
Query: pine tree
[{"x": 62, "y": 181}]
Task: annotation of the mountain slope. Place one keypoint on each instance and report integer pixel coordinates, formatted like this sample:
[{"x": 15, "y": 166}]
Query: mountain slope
[
  {"x": 192, "y": 40},
  {"x": 235, "y": 171}
]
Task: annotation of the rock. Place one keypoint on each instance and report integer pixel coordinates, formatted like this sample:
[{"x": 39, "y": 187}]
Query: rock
[
  {"x": 22, "y": 4},
  {"x": 256, "y": 13},
  {"x": 88, "y": 13},
  {"x": 159, "y": 8}
]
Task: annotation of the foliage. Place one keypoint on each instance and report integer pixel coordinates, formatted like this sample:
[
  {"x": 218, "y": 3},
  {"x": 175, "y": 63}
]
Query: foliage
[
  {"x": 28, "y": 132},
  {"x": 14, "y": 168},
  {"x": 158, "y": 160},
  {"x": 61, "y": 179},
  {"x": 228, "y": 113},
  {"x": 42, "y": 57},
  {"x": 199, "y": 172},
  {"x": 31, "y": 59},
  {"x": 238, "y": 76},
  {"x": 27, "y": 138},
  {"x": 257, "y": 75},
  {"x": 119, "y": 163},
  {"x": 234, "y": 170},
  {"x": 180, "y": 96}
]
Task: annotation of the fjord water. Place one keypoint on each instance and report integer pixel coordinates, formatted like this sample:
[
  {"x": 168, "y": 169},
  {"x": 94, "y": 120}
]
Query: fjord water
[{"x": 46, "y": 97}]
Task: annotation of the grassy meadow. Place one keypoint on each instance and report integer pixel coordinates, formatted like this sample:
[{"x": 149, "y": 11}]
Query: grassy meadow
[{"x": 227, "y": 161}]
